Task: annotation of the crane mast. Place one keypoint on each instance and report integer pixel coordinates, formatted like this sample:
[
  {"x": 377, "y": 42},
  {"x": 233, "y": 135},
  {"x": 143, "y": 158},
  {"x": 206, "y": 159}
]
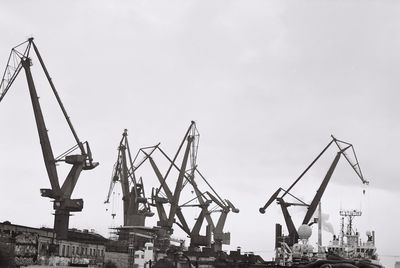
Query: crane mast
[{"x": 63, "y": 204}]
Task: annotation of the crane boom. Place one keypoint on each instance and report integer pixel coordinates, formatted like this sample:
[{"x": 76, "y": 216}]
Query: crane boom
[
  {"x": 58, "y": 99},
  {"x": 306, "y": 170},
  {"x": 317, "y": 198},
  {"x": 356, "y": 166},
  {"x": 47, "y": 151},
  {"x": 179, "y": 182}
]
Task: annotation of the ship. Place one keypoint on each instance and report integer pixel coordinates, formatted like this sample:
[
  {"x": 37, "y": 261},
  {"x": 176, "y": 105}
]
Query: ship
[
  {"x": 348, "y": 244},
  {"x": 344, "y": 250}
]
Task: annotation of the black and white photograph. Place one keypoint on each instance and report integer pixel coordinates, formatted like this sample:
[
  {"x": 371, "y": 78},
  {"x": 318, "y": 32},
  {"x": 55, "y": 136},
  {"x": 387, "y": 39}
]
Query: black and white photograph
[{"x": 200, "y": 134}]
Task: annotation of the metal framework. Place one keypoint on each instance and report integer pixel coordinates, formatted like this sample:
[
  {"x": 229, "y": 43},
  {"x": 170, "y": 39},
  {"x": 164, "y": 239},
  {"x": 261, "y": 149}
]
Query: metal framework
[
  {"x": 350, "y": 215},
  {"x": 63, "y": 204},
  {"x": 343, "y": 147},
  {"x": 187, "y": 171}
]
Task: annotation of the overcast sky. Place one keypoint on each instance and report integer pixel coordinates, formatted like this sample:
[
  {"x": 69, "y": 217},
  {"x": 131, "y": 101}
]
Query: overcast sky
[{"x": 267, "y": 82}]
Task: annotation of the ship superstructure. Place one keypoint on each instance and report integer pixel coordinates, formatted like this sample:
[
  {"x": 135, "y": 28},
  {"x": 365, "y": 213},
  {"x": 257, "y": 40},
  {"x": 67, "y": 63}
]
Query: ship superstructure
[{"x": 348, "y": 243}]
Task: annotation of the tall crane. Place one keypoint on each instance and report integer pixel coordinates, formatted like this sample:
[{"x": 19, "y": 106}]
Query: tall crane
[
  {"x": 204, "y": 199},
  {"x": 343, "y": 147},
  {"x": 135, "y": 205},
  {"x": 63, "y": 204},
  {"x": 172, "y": 197}
]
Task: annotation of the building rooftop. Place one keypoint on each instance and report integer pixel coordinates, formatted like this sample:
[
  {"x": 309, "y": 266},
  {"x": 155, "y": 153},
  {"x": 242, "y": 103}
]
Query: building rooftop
[{"x": 84, "y": 236}]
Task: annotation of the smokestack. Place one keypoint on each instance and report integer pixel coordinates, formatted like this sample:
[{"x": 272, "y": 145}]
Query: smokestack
[
  {"x": 373, "y": 238},
  {"x": 319, "y": 228},
  {"x": 278, "y": 235}
]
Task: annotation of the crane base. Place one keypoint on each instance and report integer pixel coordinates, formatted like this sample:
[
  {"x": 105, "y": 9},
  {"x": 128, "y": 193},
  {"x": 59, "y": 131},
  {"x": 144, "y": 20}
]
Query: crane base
[{"x": 61, "y": 223}]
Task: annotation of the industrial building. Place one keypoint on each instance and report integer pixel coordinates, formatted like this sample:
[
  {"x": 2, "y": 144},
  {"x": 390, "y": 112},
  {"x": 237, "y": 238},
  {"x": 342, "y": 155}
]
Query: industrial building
[{"x": 23, "y": 245}]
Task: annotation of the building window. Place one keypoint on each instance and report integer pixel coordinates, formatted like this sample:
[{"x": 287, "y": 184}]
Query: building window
[
  {"x": 63, "y": 251},
  {"x": 90, "y": 252},
  {"x": 82, "y": 249},
  {"x": 73, "y": 250},
  {"x": 102, "y": 252},
  {"x": 86, "y": 251},
  {"x": 67, "y": 253}
]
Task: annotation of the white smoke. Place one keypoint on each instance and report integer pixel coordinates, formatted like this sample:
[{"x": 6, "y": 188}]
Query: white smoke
[{"x": 326, "y": 225}]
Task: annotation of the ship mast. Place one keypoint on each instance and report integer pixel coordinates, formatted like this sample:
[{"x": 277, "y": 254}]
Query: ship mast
[{"x": 350, "y": 234}]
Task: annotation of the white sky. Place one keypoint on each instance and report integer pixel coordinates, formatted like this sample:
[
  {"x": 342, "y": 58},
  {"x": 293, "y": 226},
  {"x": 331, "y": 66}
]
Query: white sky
[{"x": 267, "y": 82}]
